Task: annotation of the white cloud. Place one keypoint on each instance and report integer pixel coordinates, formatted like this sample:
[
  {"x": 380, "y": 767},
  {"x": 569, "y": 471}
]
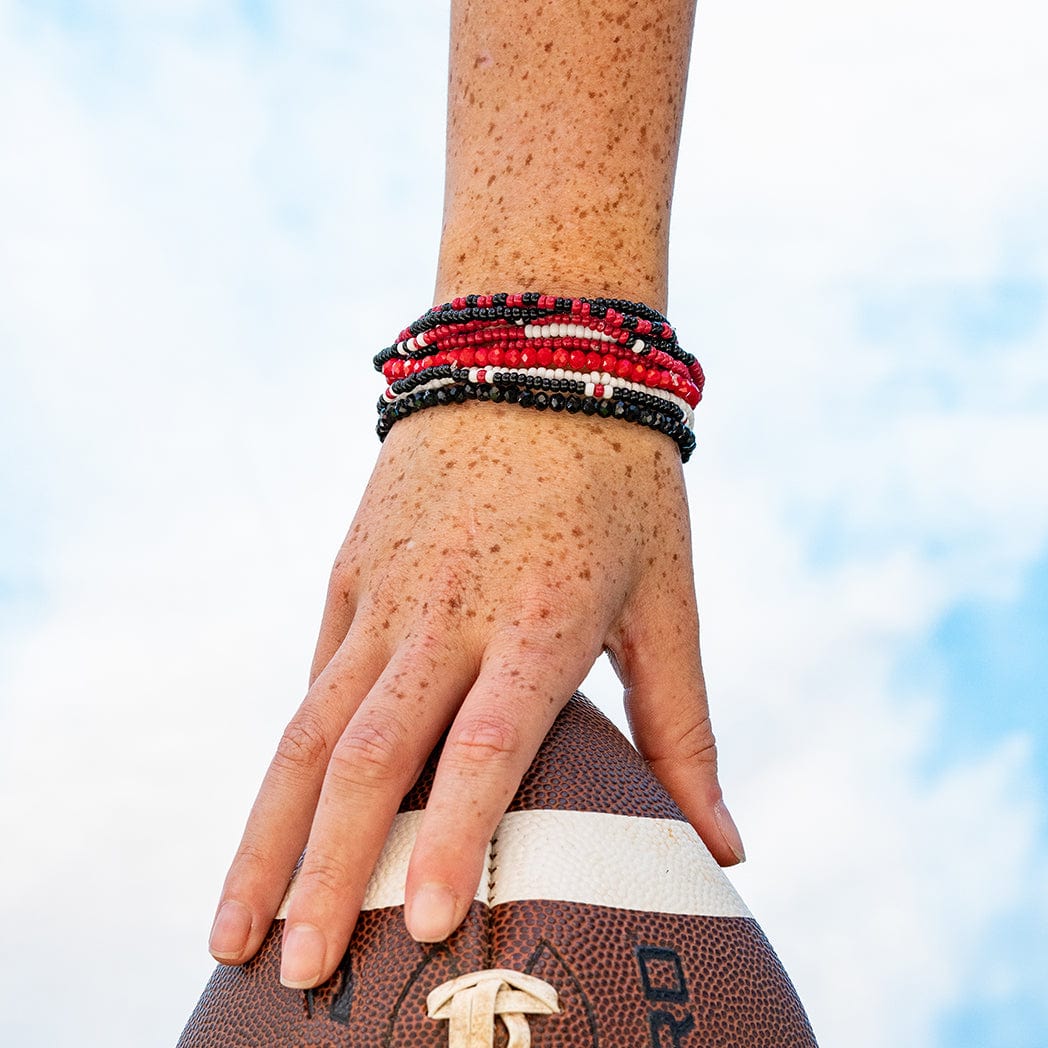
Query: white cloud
[{"x": 204, "y": 238}]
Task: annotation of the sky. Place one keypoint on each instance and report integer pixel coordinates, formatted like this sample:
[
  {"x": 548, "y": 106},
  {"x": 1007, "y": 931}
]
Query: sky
[{"x": 207, "y": 226}]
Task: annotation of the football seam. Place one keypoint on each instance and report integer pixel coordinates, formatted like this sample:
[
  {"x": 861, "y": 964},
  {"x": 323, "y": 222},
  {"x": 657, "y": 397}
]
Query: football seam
[{"x": 493, "y": 865}]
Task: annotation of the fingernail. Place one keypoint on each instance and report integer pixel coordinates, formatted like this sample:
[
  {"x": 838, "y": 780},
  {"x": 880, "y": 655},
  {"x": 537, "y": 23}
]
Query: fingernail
[
  {"x": 302, "y": 956},
  {"x": 431, "y": 915},
  {"x": 230, "y": 931},
  {"x": 729, "y": 831}
]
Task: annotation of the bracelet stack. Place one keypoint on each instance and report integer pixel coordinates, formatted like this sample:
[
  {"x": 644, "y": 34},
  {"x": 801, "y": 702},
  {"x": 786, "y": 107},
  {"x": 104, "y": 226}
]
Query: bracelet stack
[{"x": 602, "y": 356}]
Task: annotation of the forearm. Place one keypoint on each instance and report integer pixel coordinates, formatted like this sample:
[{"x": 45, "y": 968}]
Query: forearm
[{"x": 563, "y": 127}]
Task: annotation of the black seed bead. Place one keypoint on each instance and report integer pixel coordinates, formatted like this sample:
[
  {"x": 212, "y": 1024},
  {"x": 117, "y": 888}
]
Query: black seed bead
[
  {"x": 541, "y": 401},
  {"x": 556, "y": 402},
  {"x": 547, "y": 384}
]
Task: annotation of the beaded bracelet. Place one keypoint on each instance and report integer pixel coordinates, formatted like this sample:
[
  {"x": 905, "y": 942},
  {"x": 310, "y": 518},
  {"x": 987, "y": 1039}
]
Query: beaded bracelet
[
  {"x": 600, "y": 387},
  {"x": 620, "y": 408},
  {"x": 605, "y": 357},
  {"x": 656, "y": 381},
  {"x": 654, "y": 369}
]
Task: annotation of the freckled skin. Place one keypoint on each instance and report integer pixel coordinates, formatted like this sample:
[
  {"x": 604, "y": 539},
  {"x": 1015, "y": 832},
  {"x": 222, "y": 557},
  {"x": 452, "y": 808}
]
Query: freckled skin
[
  {"x": 571, "y": 160},
  {"x": 456, "y": 603}
]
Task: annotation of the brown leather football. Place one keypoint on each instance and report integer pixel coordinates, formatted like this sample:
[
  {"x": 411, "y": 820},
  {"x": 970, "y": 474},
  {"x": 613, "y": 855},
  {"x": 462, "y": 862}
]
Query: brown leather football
[{"x": 602, "y": 920}]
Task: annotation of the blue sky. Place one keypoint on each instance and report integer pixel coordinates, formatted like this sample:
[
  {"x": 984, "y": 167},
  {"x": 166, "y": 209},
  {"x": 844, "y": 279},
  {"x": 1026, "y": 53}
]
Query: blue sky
[{"x": 209, "y": 227}]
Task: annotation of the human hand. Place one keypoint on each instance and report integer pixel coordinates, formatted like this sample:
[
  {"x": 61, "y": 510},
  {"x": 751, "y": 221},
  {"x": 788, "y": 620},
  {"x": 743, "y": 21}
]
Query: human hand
[{"x": 496, "y": 552}]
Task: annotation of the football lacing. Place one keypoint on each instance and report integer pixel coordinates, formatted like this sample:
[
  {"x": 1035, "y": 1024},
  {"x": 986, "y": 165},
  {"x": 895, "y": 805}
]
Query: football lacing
[{"x": 471, "y": 1002}]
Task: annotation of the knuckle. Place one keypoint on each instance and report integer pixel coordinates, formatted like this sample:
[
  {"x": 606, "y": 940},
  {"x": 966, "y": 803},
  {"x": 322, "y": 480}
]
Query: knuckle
[
  {"x": 426, "y": 642},
  {"x": 252, "y": 862},
  {"x": 490, "y": 737},
  {"x": 369, "y": 754},
  {"x": 324, "y": 874},
  {"x": 697, "y": 743},
  {"x": 303, "y": 745},
  {"x": 342, "y": 582}
]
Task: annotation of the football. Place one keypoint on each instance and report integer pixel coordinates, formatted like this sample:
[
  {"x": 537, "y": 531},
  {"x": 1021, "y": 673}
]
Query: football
[{"x": 602, "y": 920}]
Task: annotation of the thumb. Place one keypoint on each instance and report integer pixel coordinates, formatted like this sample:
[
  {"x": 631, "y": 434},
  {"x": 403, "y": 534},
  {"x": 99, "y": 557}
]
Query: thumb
[{"x": 665, "y": 696}]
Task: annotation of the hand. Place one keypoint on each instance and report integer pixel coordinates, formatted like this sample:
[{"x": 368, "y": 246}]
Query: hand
[{"x": 495, "y": 554}]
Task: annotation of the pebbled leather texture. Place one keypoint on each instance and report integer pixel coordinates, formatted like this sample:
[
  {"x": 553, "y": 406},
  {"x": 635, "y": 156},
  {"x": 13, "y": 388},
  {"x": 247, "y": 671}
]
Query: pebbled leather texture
[{"x": 651, "y": 949}]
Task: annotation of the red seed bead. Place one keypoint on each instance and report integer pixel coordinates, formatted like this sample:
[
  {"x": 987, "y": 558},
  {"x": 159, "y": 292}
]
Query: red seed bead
[{"x": 598, "y": 390}]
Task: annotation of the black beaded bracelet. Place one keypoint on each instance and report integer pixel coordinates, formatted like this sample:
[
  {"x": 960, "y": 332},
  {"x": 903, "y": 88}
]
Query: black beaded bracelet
[
  {"x": 616, "y": 407},
  {"x": 536, "y": 383}
]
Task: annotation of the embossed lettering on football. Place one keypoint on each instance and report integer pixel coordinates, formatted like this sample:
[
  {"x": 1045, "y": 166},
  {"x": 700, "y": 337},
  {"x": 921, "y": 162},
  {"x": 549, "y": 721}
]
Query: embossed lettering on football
[{"x": 602, "y": 920}]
